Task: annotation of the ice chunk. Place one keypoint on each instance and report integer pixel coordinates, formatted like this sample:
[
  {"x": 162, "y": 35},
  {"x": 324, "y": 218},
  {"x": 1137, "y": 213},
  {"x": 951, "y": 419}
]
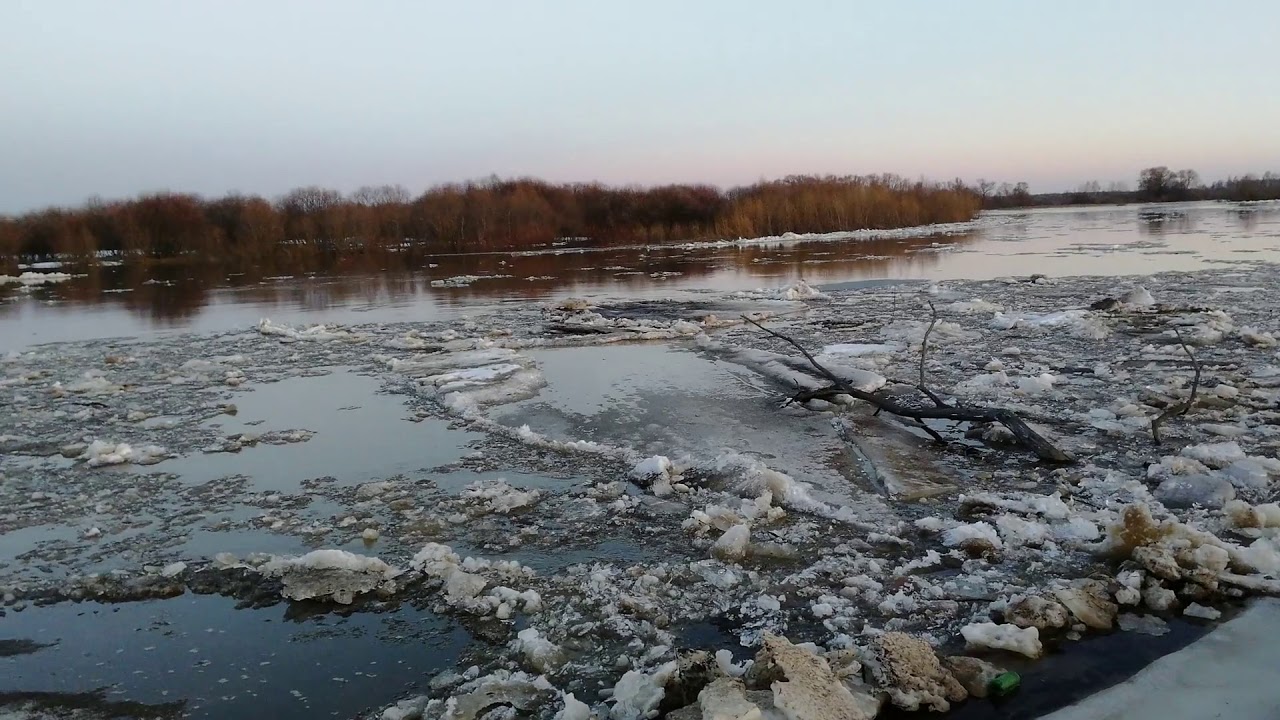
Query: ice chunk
[
  {"x": 724, "y": 661},
  {"x": 498, "y": 496},
  {"x": 811, "y": 690},
  {"x": 1138, "y": 297},
  {"x": 32, "y": 279},
  {"x": 471, "y": 377},
  {"x": 659, "y": 471},
  {"x": 726, "y": 699},
  {"x": 1184, "y": 491},
  {"x": 1017, "y": 531},
  {"x": 100, "y": 453},
  {"x": 1050, "y": 506},
  {"x": 1215, "y": 455},
  {"x": 973, "y": 537},
  {"x": 1248, "y": 474},
  {"x": 461, "y": 281},
  {"x": 1090, "y": 603},
  {"x": 1256, "y": 337},
  {"x": 799, "y": 290},
  {"x": 331, "y": 574},
  {"x": 900, "y": 603},
  {"x": 973, "y": 673},
  {"x": 1037, "y": 612},
  {"x": 1037, "y": 385},
  {"x": 526, "y": 435},
  {"x": 909, "y": 670},
  {"x": 637, "y": 694},
  {"x": 475, "y": 698},
  {"x": 1143, "y": 624},
  {"x": 976, "y": 305},
  {"x": 574, "y": 709},
  {"x": 858, "y": 349},
  {"x": 1200, "y": 611},
  {"x": 541, "y": 654},
  {"x": 314, "y": 333},
  {"x": 733, "y": 545},
  {"x": 1002, "y": 321},
  {"x": 1025, "y": 641}
]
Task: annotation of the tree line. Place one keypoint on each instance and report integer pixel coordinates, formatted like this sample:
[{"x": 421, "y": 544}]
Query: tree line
[
  {"x": 495, "y": 214},
  {"x": 1155, "y": 184}
]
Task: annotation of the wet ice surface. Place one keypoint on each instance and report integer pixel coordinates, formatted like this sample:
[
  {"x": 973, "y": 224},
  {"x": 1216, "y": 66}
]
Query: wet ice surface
[
  {"x": 358, "y": 434},
  {"x": 573, "y": 496},
  {"x": 664, "y": 400}
]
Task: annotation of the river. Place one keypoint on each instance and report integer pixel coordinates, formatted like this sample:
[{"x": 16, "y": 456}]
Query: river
[{"x": 566, "y": 442}]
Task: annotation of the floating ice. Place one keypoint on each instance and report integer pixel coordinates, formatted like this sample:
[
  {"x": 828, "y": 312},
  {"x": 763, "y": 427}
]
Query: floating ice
[
  {"x": 1025, "y": 641},
  {"x": 461, "y": 281},
  {"x": 1138, "y": 297},
  {"x": 858, "y": 349},
  {"x": 32, "y": 279},
  {"x": 498, "y": 496},
  {"x": 973, "y": 536},
  {"x": 637, "y": 694},
  {"x": 314, "y": 333},
  {"x": 799, "y": 290},
  {"x": 100, "y": 452},
  {"x": 659, "y": 471},
  {"x": 337, "y": 575}
]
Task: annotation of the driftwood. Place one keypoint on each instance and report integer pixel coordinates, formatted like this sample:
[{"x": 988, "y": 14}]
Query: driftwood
[
  {"x": 1022, "y": 432},
  {"x": 1182, "y": 408}
]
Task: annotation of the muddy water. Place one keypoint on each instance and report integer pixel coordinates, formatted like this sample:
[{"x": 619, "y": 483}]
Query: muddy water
[{"x": 135, "y": 299}]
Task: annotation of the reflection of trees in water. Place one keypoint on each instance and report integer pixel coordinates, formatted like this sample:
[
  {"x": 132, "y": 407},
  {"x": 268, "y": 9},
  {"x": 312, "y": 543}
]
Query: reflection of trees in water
[
  {"x": 1162, "y": 222},
  {"x": 173, "y": 292}
]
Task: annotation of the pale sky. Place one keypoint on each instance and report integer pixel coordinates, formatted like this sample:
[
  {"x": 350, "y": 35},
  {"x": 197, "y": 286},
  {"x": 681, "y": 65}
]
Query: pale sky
[{"x": 114, "y": 98}]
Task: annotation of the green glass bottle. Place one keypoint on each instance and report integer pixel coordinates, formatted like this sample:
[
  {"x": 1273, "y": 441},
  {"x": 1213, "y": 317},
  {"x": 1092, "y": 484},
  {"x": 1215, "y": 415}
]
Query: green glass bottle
[{"x": 1004, "y": 684}]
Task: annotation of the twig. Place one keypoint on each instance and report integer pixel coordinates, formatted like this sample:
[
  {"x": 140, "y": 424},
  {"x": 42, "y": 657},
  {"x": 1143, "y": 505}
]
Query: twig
[
  {"x": 924, "y": 341},
  {"x": 1182, "y": 408},
  {"x": 1023, "y": 432},
  {"x": 924, "y": 351}
]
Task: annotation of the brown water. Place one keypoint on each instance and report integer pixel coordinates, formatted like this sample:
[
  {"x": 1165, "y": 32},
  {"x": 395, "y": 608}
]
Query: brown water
[{"x": 138, "y": 299}]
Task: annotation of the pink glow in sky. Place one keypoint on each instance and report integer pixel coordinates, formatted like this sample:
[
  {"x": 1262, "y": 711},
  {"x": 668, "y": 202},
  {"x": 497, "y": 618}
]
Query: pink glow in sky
[{"x": 118, "y": 98}]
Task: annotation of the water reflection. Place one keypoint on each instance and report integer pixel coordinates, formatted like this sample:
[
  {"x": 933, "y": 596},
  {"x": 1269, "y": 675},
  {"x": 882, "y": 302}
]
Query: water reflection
[
  {"x": 1159, "y": 221},
  {"x": 169, "y": 294},
  {"x": 142, "y": 298}
]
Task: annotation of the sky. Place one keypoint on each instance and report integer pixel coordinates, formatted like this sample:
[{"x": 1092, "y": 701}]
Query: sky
[{"x": 260, "y": 96}]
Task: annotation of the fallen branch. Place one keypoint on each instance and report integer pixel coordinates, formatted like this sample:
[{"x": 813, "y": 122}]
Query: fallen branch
[
  {"x": 1022, "y": 432},
  {"x": 1182, "y": 408},
  {"x": 924, "y": 352}
]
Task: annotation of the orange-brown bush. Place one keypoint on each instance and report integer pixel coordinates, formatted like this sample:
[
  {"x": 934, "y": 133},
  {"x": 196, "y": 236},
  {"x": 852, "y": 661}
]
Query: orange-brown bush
[{"x": 489, "y": 215}]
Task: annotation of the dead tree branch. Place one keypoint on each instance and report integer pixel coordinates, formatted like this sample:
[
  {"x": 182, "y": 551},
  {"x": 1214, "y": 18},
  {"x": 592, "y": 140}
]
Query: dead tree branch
[
  {"x": 924, "y": 341},
  {"x": 924, "y": 352},
  {"x": 1182, "y": 408},
  {"x": 1025, "y": 435}
]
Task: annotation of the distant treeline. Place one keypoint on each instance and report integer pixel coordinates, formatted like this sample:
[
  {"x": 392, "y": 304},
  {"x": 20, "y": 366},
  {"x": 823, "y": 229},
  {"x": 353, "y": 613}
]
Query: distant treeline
[
  {"x": 490, "y": 215},
  {"x": 1155, "y": 184}
]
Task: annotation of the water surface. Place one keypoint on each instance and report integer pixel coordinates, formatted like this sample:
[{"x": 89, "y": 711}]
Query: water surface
[{"x": 138, "y": 299}]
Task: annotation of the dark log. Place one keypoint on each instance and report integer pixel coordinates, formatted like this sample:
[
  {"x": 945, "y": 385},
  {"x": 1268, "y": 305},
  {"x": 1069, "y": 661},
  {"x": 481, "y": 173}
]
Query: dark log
[{"x": 1025, "y": 435}]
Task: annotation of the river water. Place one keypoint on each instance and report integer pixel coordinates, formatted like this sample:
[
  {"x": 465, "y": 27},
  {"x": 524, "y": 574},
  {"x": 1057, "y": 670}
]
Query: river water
[
  {"x": 157, "y": 342},
  {"x": 136, "y": 300}
]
